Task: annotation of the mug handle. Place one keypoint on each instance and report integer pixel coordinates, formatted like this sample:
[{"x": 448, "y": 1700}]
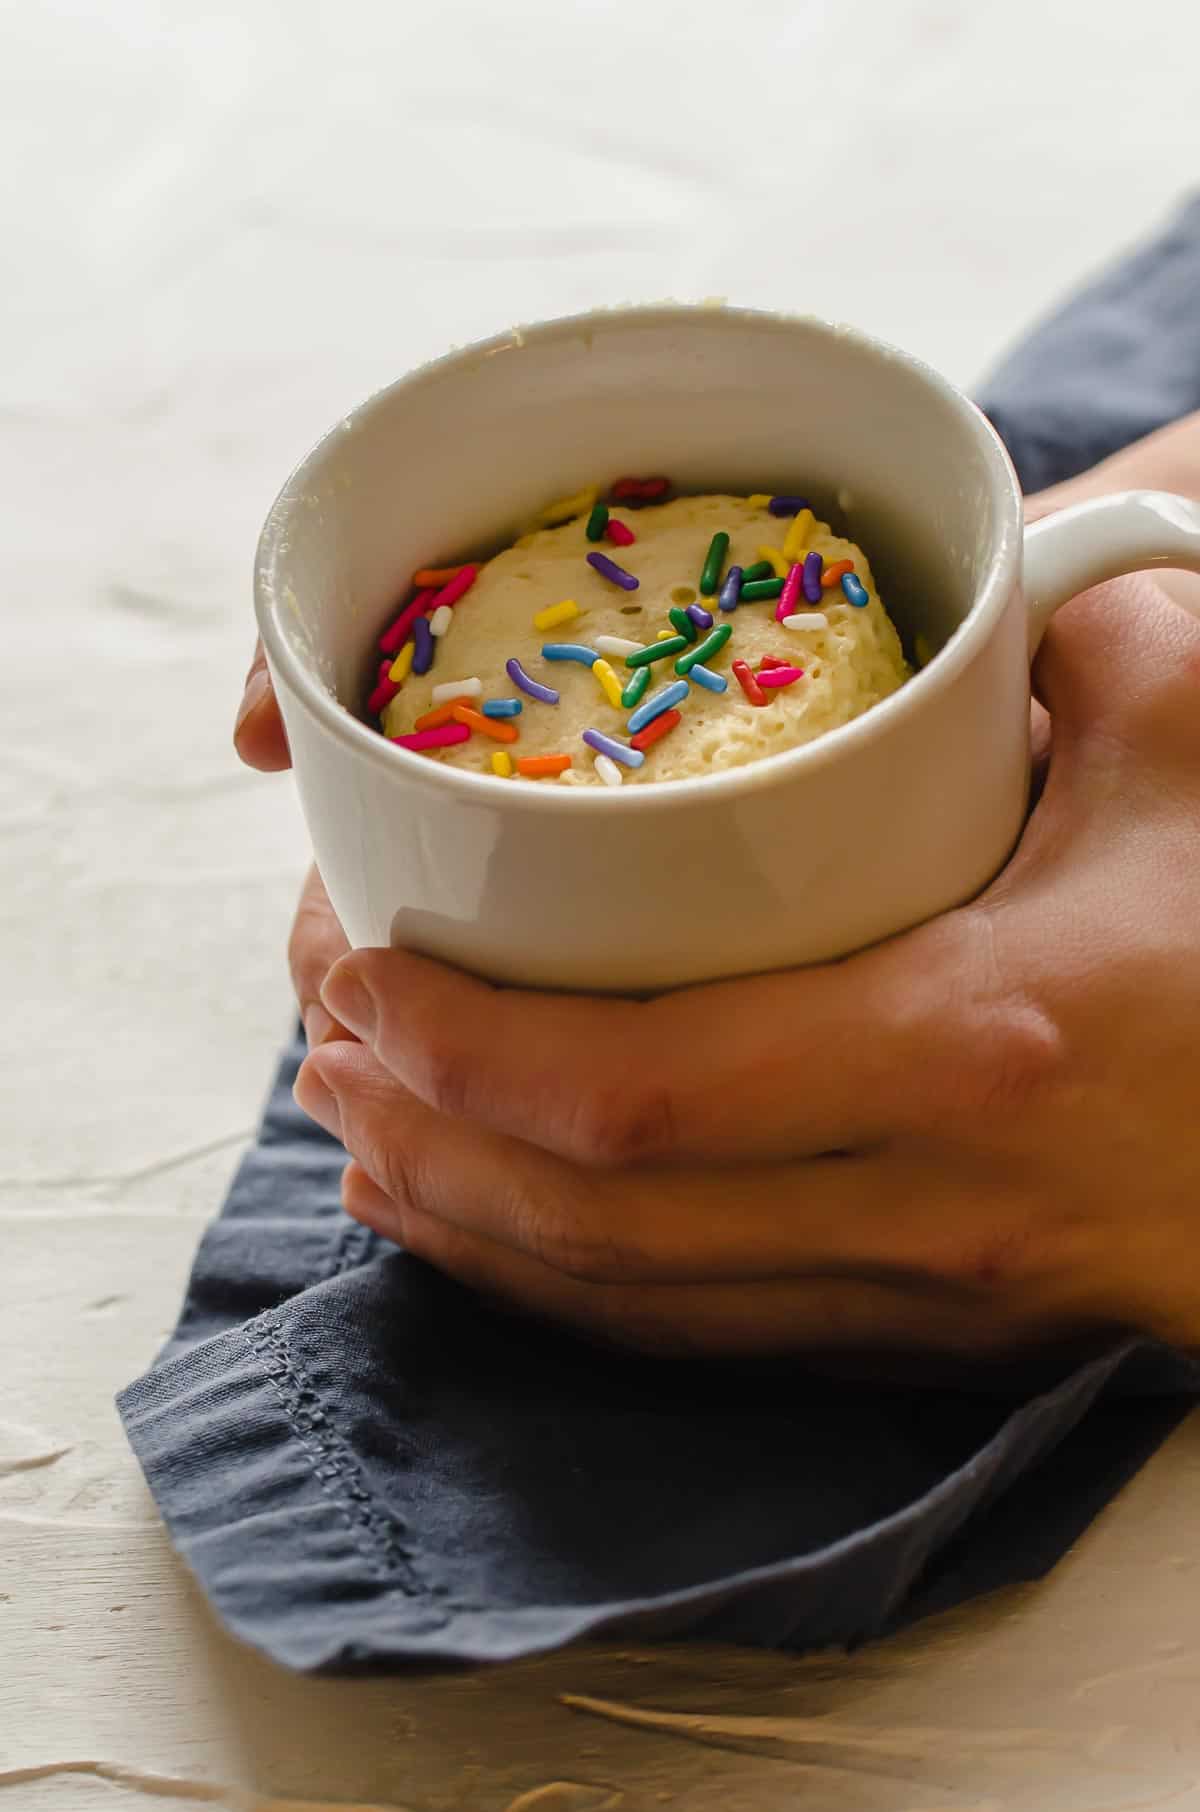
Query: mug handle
[{"x": 1090, "y": 542}]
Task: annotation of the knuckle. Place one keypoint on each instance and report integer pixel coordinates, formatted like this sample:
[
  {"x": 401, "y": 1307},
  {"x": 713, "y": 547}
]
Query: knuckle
[
  {"x": 573, "y": 1240},
  {"x": 446, "y": 1071},
  {"x": 623, "y": 1124}
]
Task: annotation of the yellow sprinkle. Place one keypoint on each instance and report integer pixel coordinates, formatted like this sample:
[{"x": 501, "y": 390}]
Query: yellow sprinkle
[
  {"x": 664, "y": 635},
  {"x": 797, "y": 536},
  {"x": 566, "y": 508},
  {"x": 758, "y": 500},
  {"x": 555, "y": 614},
  {"x": 609, "y": 683},
  {"x": 502, "y": 764},
  {"x": 777, "y": 559},
  {"x": 398, "y": 671}
]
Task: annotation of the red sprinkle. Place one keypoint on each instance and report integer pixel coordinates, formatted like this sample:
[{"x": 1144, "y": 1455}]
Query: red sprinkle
[
  {"x": 619, "y": 533},
  {"x": 644, "y": 489},
  {"x": 655, "y": 730},
  {"x": 392, "y": 640},
  {"x": 383, "y": 694},
  {"x": 451, "y": 593},
  {"x": 780, "y": 676},
  {"x": 772, "y": 660},
  {"x": 748, "y": 683},
  {"x": 444, "y": 737}
]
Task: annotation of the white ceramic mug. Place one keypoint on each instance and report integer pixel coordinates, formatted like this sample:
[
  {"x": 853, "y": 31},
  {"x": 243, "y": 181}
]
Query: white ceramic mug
[{"x": 801, "y": 857}]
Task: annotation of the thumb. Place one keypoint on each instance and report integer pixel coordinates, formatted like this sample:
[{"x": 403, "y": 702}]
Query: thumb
[
  {"x": 1115, "y": 660},
  {"x": 258, "y": 733}
]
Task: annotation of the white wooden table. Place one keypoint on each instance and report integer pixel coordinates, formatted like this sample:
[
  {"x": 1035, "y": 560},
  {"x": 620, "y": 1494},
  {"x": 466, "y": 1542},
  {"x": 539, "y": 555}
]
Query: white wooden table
[{"x": 222, "y": 224}]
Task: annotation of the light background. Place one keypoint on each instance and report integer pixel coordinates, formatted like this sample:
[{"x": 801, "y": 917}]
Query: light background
[{"x": 222, "y": 225}]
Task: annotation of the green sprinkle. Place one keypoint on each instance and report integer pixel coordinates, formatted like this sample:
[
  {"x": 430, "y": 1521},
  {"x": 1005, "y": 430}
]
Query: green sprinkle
[
  {"x": 683, "y": 623},
  {"x": 597, "y": 522},
  {"x": 714, "y": 560},
  {"x": 759, "y": 589},
  {"x": 712, "y": 644},
  {"x": 657, "y": 651},
  {"x": 762, "y": 569},
  {"x": 632, "y": 695}
]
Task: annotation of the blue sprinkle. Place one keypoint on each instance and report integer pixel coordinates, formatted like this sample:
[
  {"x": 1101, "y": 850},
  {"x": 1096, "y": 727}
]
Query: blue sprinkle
[
  {"x": 700, "y": 617},
  {"x": 731, "y": 590},
  {"x": 787, "y": 506},
  {"x": 854, "y": 589},
  {"x": 616, "y": 751},
  {"x": 569, "y": 651},
  {"x": 715, "y": 682},
  {"x": 503, "y": 707},
  {"x": 425, "y": 646},
  {"x": 656, "y": 704}
]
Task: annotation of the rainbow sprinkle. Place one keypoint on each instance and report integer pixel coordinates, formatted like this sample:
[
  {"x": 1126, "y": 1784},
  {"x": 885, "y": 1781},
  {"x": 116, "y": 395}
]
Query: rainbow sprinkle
[
  {"x": 597, "y": 522},
  {"x": 813, "y": 564},
  {"x": 610, "y": 685},
  {"x": 503, "y": 707},
  {"x": 705, "y": 650},
  {"x": 619, "y": 533},
  {"x": 780, "y": 676},
  {"x": 662, "y": 700},
  {"x": 654, "y": 732},
  {"x": 534, "y": 688},
  {"x": 683, "y": 623},
  {"x": 731, "y": 590},
  {"x": 703, "y": 619},
  {"x": 554, "y": 614},
  {"x": 714, "y": 560},
  {"x": 635, "y": 688},
  {"x": 712, "y": 682},
  {"x": 855, "y": 591},
  {"x": 570, "y": 651},
  {"x": 657, "y": 651},
  {"x": 786, "y": 506},
  {"x": 423, "y": 645},
  {"x": 608, "y": 569},
  {"x": 616, "y": 751}
]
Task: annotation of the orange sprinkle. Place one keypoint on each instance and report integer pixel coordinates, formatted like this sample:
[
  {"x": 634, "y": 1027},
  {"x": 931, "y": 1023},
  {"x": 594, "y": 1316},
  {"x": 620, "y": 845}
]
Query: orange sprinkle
[
  {"x": 832, "y": 574},
  {"x": 441, "y": 714},
  {"x": 486, "y": 726},
  {"x": 435, "y": 575},
  {"x": 534, "y": 766}
]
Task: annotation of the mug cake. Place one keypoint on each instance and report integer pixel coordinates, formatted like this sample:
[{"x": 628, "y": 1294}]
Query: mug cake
[{"x": 642, "y": 638}]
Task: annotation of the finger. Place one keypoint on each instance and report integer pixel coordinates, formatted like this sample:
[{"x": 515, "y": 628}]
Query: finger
[
  {"x": 830, "y": 1058},
  {"x": 863, "y": 1319},
  {"x": 258, "y": 733},
  {"x": 1120, "y": 666},
  {"x": 317, "y": 941},
  {"x": 884, "y": 1218}
]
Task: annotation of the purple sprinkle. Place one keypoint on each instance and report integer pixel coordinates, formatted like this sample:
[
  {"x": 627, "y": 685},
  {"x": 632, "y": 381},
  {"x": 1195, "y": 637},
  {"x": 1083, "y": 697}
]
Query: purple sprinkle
[
  {"x": 424, "y": 646},
  {"x": 616, "y": 751},
  {"x": 535, "y": 688},
  {"x": 813, "y": 568},
  {"x": 608, "y": 569},
  {"x": 731, "y": 590},
  {"x": 787, "y": 506},
  {"x": 703, "y": 619}
]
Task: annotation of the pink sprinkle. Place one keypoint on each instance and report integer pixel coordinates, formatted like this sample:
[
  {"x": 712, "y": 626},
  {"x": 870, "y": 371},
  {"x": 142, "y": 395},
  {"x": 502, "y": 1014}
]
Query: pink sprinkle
[
  {"x": 393, "y": 639},
  {"x": 780, "y": 676},
  {"x": 383, "y": 694},
  {"x": 619, "y": 533},
  {"x": 441, "y": 738},
  {"x": 451, "y": 593},
  {"x": 789, "y": 597}
]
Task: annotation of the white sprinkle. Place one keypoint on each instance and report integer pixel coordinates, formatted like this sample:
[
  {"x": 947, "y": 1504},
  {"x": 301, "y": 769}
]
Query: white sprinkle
[
  {"x": 807, "y": 619},
  {"x": 608, "y": 770},
  {"x": 441, "y": 620},
  {"x": 456, "y": 688},
  {"x": 616, "y": 644}
]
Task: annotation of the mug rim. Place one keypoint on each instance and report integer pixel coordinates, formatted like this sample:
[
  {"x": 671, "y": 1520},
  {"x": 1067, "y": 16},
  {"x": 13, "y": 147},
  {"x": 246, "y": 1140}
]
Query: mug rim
[{"x": 1001, "y": 578}]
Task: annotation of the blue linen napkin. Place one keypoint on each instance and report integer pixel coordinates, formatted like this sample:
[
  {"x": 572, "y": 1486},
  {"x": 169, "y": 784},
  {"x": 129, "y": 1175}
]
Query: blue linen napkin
[{"x": 364, "y": 1465}]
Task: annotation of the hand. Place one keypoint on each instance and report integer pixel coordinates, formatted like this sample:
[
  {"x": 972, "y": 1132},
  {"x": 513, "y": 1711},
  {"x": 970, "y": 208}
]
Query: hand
[{"x": 974, "y": 1138}]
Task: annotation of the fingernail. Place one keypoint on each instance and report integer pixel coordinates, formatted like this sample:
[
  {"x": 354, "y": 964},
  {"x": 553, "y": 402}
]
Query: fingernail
[
  {"x": 317, "y": 1100},
  {"x": 347, "y": 997},
  {"x": 318, "y": 1025},
  {"x": 256, "y": 690}
]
